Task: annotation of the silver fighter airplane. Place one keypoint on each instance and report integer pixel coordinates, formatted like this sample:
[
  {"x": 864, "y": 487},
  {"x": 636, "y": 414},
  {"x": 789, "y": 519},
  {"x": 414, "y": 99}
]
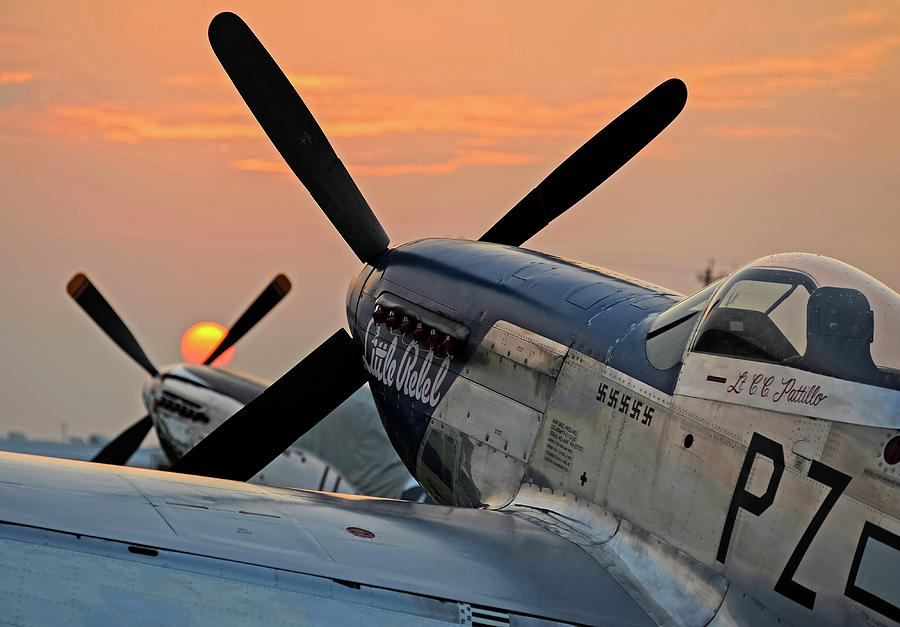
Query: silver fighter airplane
[
  {"x": 724, "y": 459},
  {"x": 186, "y": 402}
]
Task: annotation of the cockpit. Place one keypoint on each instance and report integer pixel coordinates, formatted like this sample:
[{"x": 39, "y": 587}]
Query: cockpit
[{"x": 798, "y": 310}]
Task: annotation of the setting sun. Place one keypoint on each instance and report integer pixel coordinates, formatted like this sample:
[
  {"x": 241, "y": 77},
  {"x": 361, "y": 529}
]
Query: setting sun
[{"x": 200, "y": 340}]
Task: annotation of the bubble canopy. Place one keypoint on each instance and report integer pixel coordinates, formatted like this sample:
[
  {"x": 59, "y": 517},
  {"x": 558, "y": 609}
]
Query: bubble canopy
[{"x": 808, "y": 312}]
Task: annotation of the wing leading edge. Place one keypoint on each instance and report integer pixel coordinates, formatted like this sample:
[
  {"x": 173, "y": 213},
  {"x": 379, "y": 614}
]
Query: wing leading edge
[{"x": 475, "y": 558}]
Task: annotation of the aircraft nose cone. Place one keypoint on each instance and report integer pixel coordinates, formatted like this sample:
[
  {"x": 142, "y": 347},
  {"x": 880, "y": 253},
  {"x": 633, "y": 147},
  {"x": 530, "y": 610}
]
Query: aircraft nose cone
[
  {"x": 149, "y": 391},
  {"x": 354, "y": 290}
]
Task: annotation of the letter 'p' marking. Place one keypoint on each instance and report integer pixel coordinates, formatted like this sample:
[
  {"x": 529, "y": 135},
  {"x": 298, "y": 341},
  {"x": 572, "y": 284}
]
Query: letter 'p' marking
[{"x": 741, "y": 499}]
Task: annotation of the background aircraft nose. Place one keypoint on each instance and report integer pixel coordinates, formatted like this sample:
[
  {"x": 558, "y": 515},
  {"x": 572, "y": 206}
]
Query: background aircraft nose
[{"x": 147, "y": 390}]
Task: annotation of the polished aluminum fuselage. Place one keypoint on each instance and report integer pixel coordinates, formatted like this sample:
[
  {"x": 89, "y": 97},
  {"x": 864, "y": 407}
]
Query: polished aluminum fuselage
[{"x": 553, "y": 394}]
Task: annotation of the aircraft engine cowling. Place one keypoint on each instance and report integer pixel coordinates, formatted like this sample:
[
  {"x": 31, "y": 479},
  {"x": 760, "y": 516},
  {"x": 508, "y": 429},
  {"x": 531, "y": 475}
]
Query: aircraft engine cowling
[{"x": 461, "y": 398}]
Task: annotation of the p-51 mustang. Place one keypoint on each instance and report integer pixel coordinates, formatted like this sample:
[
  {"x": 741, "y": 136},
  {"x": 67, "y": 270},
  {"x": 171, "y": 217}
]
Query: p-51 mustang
[
  {"x": 728, "y": 458},
  {"x": 185, "y": 402}
]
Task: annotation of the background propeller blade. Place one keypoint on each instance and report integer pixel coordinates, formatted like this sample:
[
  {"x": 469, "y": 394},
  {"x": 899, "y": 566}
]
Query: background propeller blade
[
  {"x": 291, "y": 127},
  {"x": 263, "y": 429},
  {"x": 123, "y": 447},
  {"x": 91, "y": 300},
  {"x": 590, "y": 165},
  {"x": 271, "y": 296}
]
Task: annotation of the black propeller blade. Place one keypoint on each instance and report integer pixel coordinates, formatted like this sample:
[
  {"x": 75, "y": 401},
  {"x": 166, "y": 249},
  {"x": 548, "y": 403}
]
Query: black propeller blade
[
  {"x": 291, "y": 127},
  {"x": 271, "y": 296},
  {"x": 261, "y": 430},
  {"x": 126, "y": 443},
  {"x": 93, "y": 303},
  {"x": 590, "y": 165}
]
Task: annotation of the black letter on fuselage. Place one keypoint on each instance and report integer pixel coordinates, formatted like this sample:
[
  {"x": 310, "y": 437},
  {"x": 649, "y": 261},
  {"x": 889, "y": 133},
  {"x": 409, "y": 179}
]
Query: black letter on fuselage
[
  {"x": 864, "y": 597},
  {"x": 741, "y": 499},
  {"x": 786, "y": 585}
]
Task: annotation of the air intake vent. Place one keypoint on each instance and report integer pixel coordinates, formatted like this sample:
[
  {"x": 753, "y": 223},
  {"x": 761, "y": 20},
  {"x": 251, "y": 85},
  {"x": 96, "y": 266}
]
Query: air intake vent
[
  {"x": 482, "y": 617},
  {"x": 183, "y": 407}
]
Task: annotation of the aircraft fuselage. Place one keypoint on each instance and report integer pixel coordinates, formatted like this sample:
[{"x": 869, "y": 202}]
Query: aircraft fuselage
[{"x": 549, "y": 385}]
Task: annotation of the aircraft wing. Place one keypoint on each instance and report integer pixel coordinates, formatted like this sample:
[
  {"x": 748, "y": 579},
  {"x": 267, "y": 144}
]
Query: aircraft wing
[{"x": 96, "y": 543}]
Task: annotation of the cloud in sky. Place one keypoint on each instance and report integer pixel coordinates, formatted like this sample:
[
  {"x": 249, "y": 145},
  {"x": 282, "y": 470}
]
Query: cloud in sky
[
  {"x": 848, "y": 62},
  {"x": 769, "y": 132},
  {"x": 473, "y": 115},
  {"x": 10, "y": 78},
  {"x": 477, "y": 128},
  {"x": 300, "y": 81},
  {"x": 15, "y": 39},
  {"x": 359, "y": 115},
  {"x": 272, "y": 166},
  {"x": 463, "y": 158},
  {"x": 322, "y": 81},
  {"x": 762, "y": 81},
  {"x": 119, "y": 125},
  {"x": 865, "y": 17},
  {"x": 478, "y": 118},
  {"x": 195, "y": 80}
]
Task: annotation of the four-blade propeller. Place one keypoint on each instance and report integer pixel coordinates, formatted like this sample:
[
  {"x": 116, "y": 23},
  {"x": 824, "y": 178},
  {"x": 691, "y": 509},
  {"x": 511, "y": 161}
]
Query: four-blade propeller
[
  {"x": 80, "y": 288},
  {"x": 256, "y": 434}
]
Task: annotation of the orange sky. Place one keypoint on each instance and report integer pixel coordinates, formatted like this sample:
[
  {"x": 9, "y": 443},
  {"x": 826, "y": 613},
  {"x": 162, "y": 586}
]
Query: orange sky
[{"x": 126, "y": 154}]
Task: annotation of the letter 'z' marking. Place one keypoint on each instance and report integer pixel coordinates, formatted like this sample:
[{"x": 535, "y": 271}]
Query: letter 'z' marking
[
  {"x": 741, "y": 499},
  {"x": 786, "y": 585}
]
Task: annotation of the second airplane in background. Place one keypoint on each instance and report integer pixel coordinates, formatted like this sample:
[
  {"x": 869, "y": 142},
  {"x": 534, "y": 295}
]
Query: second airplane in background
[{"x": 185, "y": 402}]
